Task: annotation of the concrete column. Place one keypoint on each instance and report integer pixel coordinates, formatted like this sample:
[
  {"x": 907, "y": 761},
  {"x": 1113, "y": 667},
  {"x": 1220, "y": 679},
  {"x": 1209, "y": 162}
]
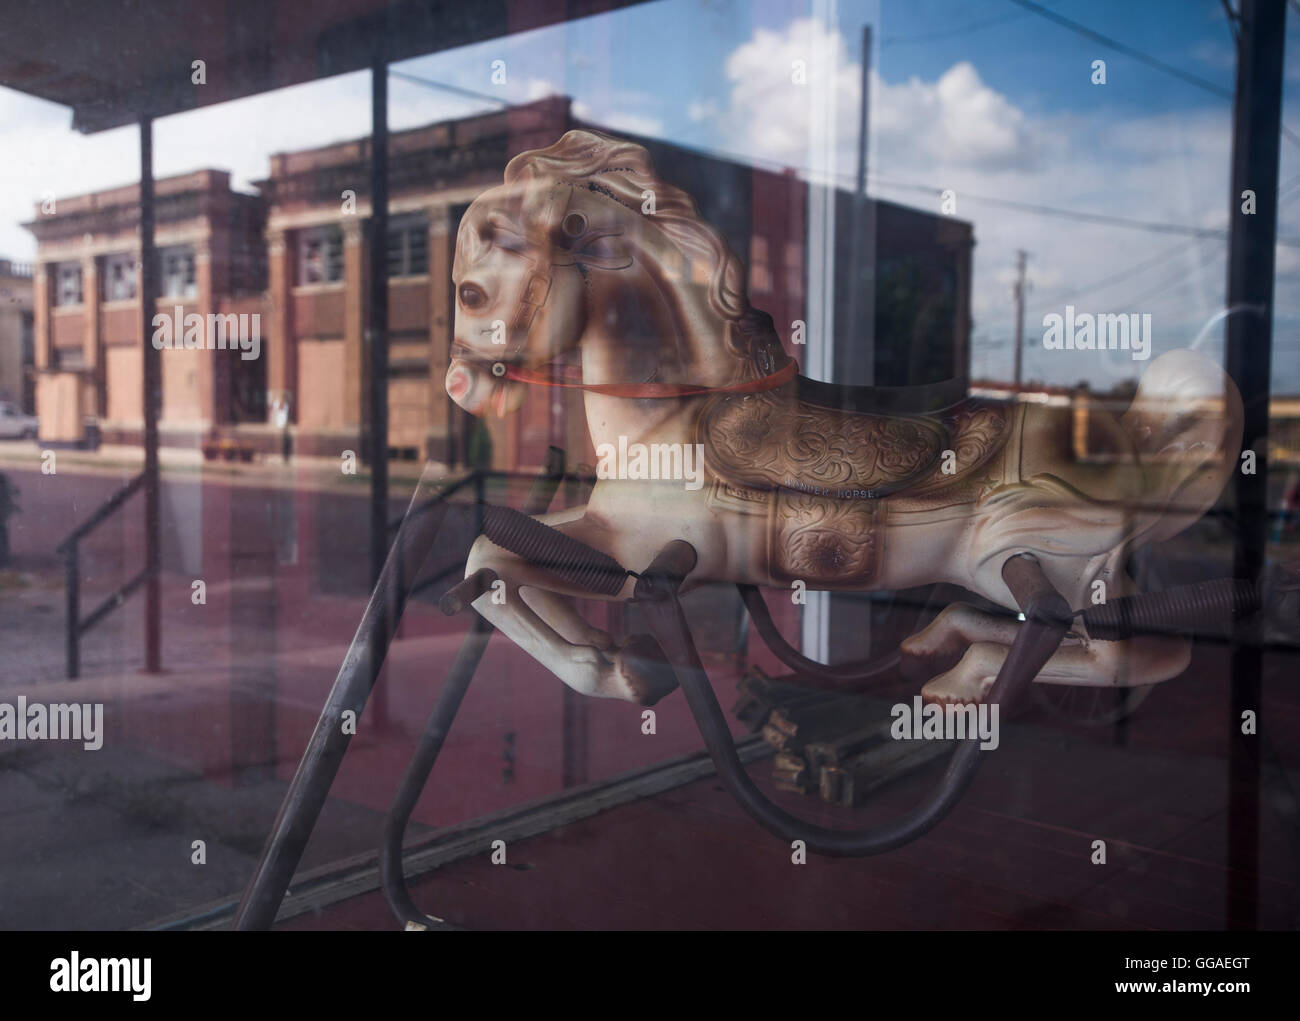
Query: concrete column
[
  {"x": 92, "y": 388},
  {"x": 90, "y": 307},
  {"x": 438, "y": 433},
  {"x": 280, "y": 344},
  {"x": 355, "y": 277},
  {"x": 41, "y": 315},
  {"x": 214, "y": 366}
]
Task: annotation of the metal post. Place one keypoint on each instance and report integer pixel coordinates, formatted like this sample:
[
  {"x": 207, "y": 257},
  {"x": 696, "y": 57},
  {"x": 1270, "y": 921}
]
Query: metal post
[
  {"x": 72, "y": 579},
  {"x": 1021, "y": 256},
  {"x": 378, "y": 331},
  {"x": 329, "y": 741},
  {"x": 453, "y": 692},
  {"x": 861, "y": 361},
  {"x": 1047, "y": 619},
  {"x": 1256, "y": 135},
  {"x": 152, "y": 402}
]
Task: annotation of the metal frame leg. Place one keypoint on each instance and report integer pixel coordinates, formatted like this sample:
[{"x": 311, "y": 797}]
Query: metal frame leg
[
  {"x": 834, "y": 676},
  {"x": 356, "y": 678},
  {"x": 1047, "y": 618},
  {"x": 444, "y": 714}
]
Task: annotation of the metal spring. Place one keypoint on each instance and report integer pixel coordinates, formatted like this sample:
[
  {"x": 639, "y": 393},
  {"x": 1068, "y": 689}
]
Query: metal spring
[
  {"x": 1185, "y": 608},
  {"x": 552, "y": 550}
]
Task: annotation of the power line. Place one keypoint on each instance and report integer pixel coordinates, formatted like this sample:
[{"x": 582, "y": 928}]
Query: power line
[
  {"x": 775, "y": 166},
  {"x": 1103, "y": 219},
  {"x": 1115, "y": 44},
  {"x": 444, "y": 87},
  {"x": 925, "y": 37},
  {"x": 1138, "y": 55},
  {"x": 1285, "y": 193},
  {"x": 1233, "y": 18}
]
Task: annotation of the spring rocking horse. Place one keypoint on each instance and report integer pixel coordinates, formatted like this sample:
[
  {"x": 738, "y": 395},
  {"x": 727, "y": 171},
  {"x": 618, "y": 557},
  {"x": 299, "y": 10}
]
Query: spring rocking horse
[{"x": 562, "y": 280}]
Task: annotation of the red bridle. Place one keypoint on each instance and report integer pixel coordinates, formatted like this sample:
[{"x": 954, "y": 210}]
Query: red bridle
[{"x": 771, "y": 381}]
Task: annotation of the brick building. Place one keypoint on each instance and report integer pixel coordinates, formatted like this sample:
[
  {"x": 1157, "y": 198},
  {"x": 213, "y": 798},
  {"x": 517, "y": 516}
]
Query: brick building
[
  {"x": 16, "y": 336},
  {"x": 88, "y": 345},
  {"x": 297, "y": 254}
]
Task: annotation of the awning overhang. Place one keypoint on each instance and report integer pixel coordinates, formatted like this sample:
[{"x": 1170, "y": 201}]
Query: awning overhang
[{"x": 115, "y": 63}]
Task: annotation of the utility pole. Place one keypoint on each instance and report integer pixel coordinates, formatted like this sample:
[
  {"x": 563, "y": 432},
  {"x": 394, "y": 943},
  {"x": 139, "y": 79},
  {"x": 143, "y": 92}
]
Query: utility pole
[
  {"x": 860, "y": 360},
  {"x": 152, "y": 401},
  {"x": 378, "y": 319},
  {"x": 1021, "y": 257},
  {"x": 1248, "y": 358}
]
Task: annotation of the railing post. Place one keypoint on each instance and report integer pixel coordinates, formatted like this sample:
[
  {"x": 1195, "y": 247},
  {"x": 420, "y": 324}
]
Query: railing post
[
  {"x": 72, "y": 639},
  {"x": 152, "y": 399}
]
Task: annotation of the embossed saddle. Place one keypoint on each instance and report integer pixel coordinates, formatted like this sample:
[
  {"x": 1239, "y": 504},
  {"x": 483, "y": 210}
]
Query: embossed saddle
[{"x": 783, "y": 440}]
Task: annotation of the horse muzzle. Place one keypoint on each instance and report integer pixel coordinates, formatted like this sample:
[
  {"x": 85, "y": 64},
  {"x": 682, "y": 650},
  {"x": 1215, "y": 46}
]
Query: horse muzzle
[{"x": 479, "y": 391}]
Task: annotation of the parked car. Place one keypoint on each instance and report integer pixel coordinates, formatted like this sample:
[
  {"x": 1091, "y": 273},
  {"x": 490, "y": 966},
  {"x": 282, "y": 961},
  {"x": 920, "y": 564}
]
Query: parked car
[{"x": 14, "y": 425}]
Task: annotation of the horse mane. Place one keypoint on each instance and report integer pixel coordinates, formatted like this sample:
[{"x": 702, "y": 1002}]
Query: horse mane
[{"x": 623, "y": 171}]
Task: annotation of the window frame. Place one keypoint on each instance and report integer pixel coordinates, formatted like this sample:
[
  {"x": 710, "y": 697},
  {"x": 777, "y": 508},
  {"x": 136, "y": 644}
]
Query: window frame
[
  {"x": 331, "y": 237},
  {"x": 111, "y": 264},
  {"x": 190, "y": 285},
  {"x": 62, "y": 271},
  {"x": 402, "y": 229}
]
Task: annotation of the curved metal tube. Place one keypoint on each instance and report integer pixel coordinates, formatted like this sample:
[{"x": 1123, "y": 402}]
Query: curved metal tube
[
  {"x": 392, "y": 876},
  {"x": 831, "y": 676},
  {"x": 1047, "y": 619},
  {"x": 418, "y": 769}
]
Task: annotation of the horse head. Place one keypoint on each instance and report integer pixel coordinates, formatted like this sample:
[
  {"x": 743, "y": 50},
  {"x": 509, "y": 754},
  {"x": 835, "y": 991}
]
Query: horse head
[{"x": 584, "y": 251}]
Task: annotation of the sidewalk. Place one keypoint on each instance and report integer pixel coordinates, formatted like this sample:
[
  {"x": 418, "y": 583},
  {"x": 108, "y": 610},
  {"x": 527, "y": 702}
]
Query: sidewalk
[
  {"x": 204, "y": 751},
  {"x": 310, "y": 473}
]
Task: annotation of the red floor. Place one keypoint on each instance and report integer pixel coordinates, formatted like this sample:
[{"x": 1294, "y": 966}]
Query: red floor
[{"x": 1016, "y": 853}]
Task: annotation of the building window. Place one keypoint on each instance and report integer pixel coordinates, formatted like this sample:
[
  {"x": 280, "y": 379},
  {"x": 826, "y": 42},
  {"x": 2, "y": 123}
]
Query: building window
[
  {"x": 177, "y": 277},
  {"x": 67, "y": 284},
  {"x": 408, "y": 246},
  {"x": 69, "y": 359},
  {"x": 118, "y": 279},
  {"x": 760, "y": 274},
  {"x": 320, "y": 255}
]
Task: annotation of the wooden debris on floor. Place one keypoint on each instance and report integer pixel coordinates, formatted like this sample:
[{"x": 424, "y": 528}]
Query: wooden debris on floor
[{"x": 831, "y": 745}]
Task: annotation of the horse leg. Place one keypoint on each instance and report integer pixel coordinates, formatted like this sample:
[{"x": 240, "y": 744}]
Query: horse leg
[
  {"x": 535, "y": 616},
  {"x": 963, "y": 648}
]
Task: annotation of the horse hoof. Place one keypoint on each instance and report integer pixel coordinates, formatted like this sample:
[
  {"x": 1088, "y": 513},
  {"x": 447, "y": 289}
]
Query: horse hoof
[
  {"x": 954, "y": 688},
  {"x": 644, "y": 670}
]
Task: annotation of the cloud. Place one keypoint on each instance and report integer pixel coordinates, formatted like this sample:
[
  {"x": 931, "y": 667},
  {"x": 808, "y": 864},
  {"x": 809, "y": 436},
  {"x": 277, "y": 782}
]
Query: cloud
[
  {"x": 43, "y": 155},
  {"x": 956, "y": 132},
  {"x": 956, "y": 117},
  {"x": 633, "y": 123}
]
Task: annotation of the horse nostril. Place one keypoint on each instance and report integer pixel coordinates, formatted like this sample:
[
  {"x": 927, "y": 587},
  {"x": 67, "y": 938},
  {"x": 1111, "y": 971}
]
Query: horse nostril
[{"x": 457, "y": 383}]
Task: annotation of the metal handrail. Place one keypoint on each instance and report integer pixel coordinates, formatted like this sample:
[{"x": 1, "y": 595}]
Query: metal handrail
[
  {"x": 351, "y": 690},
  {"x": 392, "y": 874},
  {"x": 75, "y": 625},
  {"x": 107, "y": 508}
]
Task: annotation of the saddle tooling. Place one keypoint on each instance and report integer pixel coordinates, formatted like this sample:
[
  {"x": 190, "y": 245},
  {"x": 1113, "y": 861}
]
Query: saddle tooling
[{"x": 826, "y": 477}]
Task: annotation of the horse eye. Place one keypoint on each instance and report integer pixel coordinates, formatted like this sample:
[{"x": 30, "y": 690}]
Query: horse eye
[{"x": 472, "y": 296}]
